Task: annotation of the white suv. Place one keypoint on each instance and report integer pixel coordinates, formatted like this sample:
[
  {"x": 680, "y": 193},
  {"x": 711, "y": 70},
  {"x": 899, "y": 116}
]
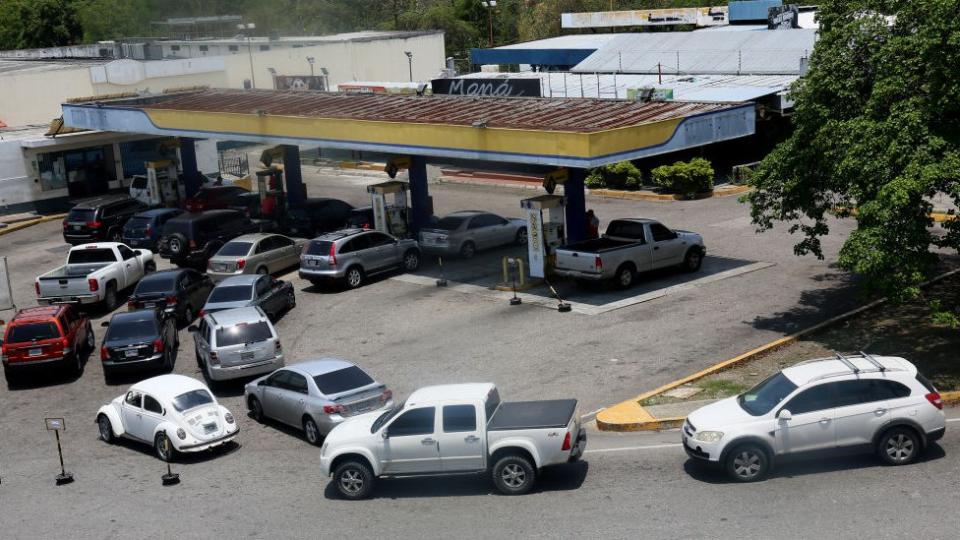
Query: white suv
[
  {"x": 235, "y": 343},
  {"x": 862, "y": 402}
]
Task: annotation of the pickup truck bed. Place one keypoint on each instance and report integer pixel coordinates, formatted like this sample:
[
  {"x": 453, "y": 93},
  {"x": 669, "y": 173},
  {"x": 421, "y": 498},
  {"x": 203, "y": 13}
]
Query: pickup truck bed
[
  {"x": 597, "y": 245},
  {"x": 514, "y": 415}
]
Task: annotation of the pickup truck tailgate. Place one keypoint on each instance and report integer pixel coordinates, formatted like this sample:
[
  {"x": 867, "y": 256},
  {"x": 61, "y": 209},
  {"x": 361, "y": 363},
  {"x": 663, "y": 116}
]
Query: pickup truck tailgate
[
  {"x": 514, "y": 415},
  {"x": 579, "y": 261}
]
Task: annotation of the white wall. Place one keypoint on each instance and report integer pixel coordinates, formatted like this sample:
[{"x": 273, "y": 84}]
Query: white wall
[{"x": 15, "y": 185}]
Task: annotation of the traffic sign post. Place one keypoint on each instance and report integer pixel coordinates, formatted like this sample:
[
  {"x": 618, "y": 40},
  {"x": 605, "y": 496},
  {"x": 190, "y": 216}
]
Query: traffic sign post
[{"x": 56, "y": 425}]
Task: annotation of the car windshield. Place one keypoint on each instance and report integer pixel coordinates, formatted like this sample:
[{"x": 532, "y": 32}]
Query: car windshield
[
  {"x": 318, "y": 247},
  {"x": 450, "y": 223},
  {"x": 231, "y": 293},
  {"x": 386, "y": 417},
  {"x": 131, "y": 330},
  {"x": 157, "y": 283},
  {"x": 33, "y": 332},
  {"x": 234, "y": 249},
  {"x": 78, "y": 214},
  {"x": 763, "y": 397},
  {"x": 139, "y": 222},
  {"x": 243, "y": 333},
  {"x": 191, "y": 399},
  {"x": 91, "y": 256},
  {"x": 342, "y": 380}
]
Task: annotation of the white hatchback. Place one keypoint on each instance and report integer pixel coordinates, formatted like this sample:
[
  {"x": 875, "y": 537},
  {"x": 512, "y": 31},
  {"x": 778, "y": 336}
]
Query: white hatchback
[
  {"x": 875, "y": 404},
  {"x": 174, "y": 413}
]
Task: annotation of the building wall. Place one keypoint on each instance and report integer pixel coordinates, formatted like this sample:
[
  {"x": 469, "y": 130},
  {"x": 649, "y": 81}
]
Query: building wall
[{"x": 34, "y": 97}]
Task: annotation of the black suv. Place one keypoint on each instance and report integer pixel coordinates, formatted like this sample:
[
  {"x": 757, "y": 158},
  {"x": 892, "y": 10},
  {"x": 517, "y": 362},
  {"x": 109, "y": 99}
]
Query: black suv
[
  {"x": 99, "y": 219},
  {"x": 191, "y": 239},
  {"x": 316, "y": 217}
]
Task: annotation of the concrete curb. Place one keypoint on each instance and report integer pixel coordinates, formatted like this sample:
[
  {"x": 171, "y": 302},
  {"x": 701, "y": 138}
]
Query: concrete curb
[
  {"x": 631, "y": 416},
  {"x": 24, "y": 224}
]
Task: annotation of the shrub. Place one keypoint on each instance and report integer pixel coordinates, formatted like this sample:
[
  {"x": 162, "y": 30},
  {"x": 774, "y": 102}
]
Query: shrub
[
  {"x": 622, "y": 175},
  {"x": 686, "y": 179}
]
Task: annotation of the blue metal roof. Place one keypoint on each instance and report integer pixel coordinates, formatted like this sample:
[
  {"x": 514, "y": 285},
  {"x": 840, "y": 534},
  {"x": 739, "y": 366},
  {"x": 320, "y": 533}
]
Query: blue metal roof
[
  {"x": 540, "y": 57},
  {"x": 751, "y": 10}
]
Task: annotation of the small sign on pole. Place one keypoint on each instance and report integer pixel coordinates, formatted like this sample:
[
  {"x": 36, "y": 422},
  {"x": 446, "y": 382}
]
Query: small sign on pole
[{"x": 56, "y": 425}]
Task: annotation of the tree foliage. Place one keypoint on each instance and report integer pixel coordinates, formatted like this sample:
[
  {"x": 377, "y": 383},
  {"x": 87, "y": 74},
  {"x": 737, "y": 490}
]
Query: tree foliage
[
  {"x": 620, "y": 175},
  {"x": 28, "y": 24},
  {"x": 685, "y": 178},
  {"x": 876, "y": 136}
]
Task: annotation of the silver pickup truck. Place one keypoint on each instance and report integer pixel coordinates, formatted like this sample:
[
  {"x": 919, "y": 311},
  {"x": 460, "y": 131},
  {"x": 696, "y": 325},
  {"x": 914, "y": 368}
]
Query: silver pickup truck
[
  {"x": 94, "y": 273},
  {"x": 454, "y": 429},
  {"x": 629, "y": 247}
]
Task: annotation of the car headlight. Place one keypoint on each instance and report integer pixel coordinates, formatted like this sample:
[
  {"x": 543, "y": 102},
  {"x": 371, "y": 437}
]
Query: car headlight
[
  {"x": 708, "y": 436},
  {"x": 228, "y": 417},
  {"x": 181, "y": 434}
]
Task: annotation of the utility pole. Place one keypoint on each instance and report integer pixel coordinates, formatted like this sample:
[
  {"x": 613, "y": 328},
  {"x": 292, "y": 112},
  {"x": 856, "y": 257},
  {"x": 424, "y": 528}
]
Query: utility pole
[
  {"x": 489, "y": 4},
  {"x": 409, "y": 63},
  {"x": 246, "y": 29}
]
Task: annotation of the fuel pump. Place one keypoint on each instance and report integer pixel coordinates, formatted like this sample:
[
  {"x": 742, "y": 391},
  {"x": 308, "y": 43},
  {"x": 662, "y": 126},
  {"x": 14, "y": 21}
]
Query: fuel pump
[
  {"x": 162, "y": 185},
  {"x": 272, "y": 197},
  {"x": 546, "y": 219},
  {"x": 390, "y": 211}
]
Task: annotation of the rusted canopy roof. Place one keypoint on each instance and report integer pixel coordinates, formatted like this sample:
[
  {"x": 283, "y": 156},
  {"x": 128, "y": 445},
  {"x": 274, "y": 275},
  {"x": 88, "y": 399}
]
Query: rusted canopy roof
[{"x": 580, "y": 115}]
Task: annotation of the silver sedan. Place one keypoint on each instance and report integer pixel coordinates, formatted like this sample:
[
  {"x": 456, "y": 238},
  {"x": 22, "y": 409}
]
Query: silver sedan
[
  {"x": 316, "y": 396},
  {"x": 468, "y": 231},
  {"x": 255, "y": 254}
]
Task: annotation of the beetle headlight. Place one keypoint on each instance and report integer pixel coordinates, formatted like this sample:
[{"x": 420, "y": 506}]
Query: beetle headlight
[
  {"x": 708, "y": 436},
  {"x": 181, "y": 434},
  {"x": 228, "y": 417}
]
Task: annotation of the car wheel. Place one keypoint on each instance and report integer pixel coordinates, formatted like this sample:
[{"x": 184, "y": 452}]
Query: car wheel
[
  {"x": 354, "y": 480},
  {"x": 76, "y": 367},
  {"x": 291, "y": 300},
  {"x": 311, "y": 431},
  {"x": 693, "y": 260},
  {"x": 105, "y": 429},
  {"x": 747, "y": 463},
  {"x": 150, "y": 267},
  {"x": 899, "y": 446},
  {"x": 163, "y": 447},
  {"x": 514, "y": 475},
  {"x": 91, "y": 340},
  {"x": 411, "y": 260},
  {"x": 468, "y": 250},
  {"x": 256, "y": 409},
  {"x": 354, "y": 277},
  {"x": 12, "y": 378},
  {"x": 110, "y": 297},
  {"x": 176, "y": 244},
  {"x": 521, "y": 239},
  {"x": 624, "y": 276},
  {"x": 263, "y": 271}
]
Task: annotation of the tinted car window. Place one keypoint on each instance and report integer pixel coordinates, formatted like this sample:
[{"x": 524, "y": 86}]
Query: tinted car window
[
  {"x": 926, "y": 383},
  {"x": 359, "y": 243},
  {"x": 477, "y": 222},
  {"x": 493, "y": 401},
  {"x": 152, "y": 405},
  {"x": 139, "y": 222},
  {"x": 661, "y": 233},
  {"x": 126, "y": 253},
  {"x": 179, "y": 226},
  {"x": 281, "y": 241},
  {"x": 91, "y": 256},
  {"x": 243, "y": 333},
  {"x": 156, "y": 283},
  {"x": 379, "y": 239},
  {"x": 342, "y": 380},
  {"x": 263, "y": 286},
  {"x": 319, "y": 247},
  {"x": 296, "y": 382},
  {"x": 888, "y": 389},
  {"x": 450, "y": 223},
  {"x": 131, "y": 330},
  {"x": 413, "y": 422},
  {"x": 763, "y": 397},
  {"x": 234, "y": 249},
  {"x": 133, "y": 399},
  {"x": 81, "y": 214},
  {"x": 231, "y": 293},
  {"x": 813, "y": 399},
  {"x": 459, "y": 418},
  {"x": 25, "y": 333},
  {"x": 191, "y": 399},
  {"x": 626, "y": 229}
]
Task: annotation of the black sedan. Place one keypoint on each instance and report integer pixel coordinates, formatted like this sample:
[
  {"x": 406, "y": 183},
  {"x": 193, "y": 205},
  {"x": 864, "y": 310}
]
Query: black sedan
[
  {"x": 137, "y": 341},
  {"x": 273, "y": 296},
  {"x": 180, "y": 293}
]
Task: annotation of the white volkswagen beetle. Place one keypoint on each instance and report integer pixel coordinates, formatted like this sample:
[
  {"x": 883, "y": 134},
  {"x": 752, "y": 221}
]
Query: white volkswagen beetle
[{"x": 174, "y": 413}]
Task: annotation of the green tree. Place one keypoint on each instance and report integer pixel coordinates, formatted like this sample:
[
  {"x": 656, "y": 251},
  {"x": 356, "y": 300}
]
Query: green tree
[
  {"x": 459, "y": 35},
  {"x": 27, "y": 24},
  {"x": 111, "y": 19},
  {"x": 876, "y": 134}
]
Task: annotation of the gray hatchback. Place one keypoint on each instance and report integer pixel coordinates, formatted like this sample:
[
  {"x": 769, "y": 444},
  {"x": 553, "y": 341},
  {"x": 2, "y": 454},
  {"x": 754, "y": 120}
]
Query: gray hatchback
[{"x": 351, "y": 255}]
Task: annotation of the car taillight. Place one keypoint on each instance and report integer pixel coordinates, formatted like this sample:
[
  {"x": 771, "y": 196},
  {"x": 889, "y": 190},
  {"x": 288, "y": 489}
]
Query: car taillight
[
  {"x": 157, "y": 346},
  {"x": 36, "y": 287},
  {"x": 94, "y": 285},
  {"x": 241, "y": 263},
  {"x": 334, "y": 409},
  {"x": 202, "y": 313},
  {"x": 104, "y": 353},
  {"x": 65, "y": 225},
  {"x": 386, "y": 395},
  {"x": 149, "y": 230},
  {"x": 214, "y": 359},
  {"x": 131, "y": 306},
  {"x": 935, "y": 400},
  {"x": 566, "y": 442},
  {"x": 277, "y": 347},
  {"x": 193, "y": 244},
  {"x": 171, "y": 300},
  {"x": 94, "y": 224},
  {"x": 598, "y": 263},
  {"x": 333, "y": 254}
]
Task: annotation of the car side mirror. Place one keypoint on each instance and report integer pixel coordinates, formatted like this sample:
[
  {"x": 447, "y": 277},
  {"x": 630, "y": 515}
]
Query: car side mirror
[
  {"x": 105, "y": 324},
  {"x": 784, "y": 415},
  {"x": 262, "y": 383},
  {"x": 138, "y": 251},
  {"x": 193, "y": 328},
  {"x": 385, "y": 434}
]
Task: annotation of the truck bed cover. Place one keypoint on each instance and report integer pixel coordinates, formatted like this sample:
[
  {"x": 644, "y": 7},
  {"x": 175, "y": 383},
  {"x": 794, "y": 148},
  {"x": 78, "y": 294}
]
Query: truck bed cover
[{"x": 554, "y": 413}]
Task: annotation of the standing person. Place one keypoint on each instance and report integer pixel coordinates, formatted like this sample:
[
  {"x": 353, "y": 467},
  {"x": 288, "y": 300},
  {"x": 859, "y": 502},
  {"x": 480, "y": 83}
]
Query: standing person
[{"x": 593, "y": 225}]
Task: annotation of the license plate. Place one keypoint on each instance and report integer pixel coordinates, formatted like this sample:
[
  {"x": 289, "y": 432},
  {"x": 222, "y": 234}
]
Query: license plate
[
  {"x": 130, "y": 353},
  {"x": 219, "y": 267},
  {"x": 150, "y": 305},
  {"x": 247, "y": 355},
  {"x": 76, "y": 227},
  {"x": 36, "y": 352}
]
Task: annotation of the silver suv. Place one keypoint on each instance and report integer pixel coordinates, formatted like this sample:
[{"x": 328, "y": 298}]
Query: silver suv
[
  {"x": 236, "y": 343},
  {"x": 351, "y": 255},
  {"x": 872, "y": 403}
]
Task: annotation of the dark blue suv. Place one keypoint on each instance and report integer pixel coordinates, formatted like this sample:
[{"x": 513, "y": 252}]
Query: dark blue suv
[{"x": 144, "y": 228}]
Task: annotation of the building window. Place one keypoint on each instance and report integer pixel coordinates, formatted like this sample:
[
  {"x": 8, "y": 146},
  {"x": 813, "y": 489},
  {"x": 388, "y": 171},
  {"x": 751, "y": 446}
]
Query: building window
[
  {"x": 298, "y": 46},
  {"x": 204, "y": 48},
  {"x": 233, "y": 48},
  {"x": 104, "y": 52},
  {"x": 264, "y": 47},
  {"x": 174, "y": 47}
]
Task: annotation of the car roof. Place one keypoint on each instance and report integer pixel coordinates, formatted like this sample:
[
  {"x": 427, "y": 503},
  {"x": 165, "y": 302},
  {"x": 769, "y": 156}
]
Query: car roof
[
  {"x": 637, "y": 220},
  {"x": 167, "y": 387},
  {"x": 164, "y": 275},
  {"x": 320, "y": 366},
  {"x": 154, "y": 212},
  {"x": 38, "y": 312},
  {"x": 339, "y": 235},
  {"x": 96, "y": 202},
  {"x": 448, "y": 392},
  {"x": 134, "y": 316},
  {"x": 820, "y": 368},
  {"x": 230, "y": 317},
  {"x": 252, "y": 237},
  {"x": 466, "y": 213},
  {"x": 205, "y": 215},
  {"x": 242, "y": 279}
]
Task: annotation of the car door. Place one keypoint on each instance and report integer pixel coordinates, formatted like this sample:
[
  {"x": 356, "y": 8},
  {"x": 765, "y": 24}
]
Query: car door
[
  {"x": 410, "y": 446},
  {"x": 667, "y": 246},
  {"x": 812, "y": 426},
  {"x": 478, "y": 232},
  {"x": 461, "y": 443},
  {"x": 201, "y": 339},
  {"x": 385, "y": 249},
  {"x": 132, "y": 269},
  {"x": 264, "y": 294},
  {"x": 198, "y": 288},
  {"x": 863, "y": 408},
  {"x": 287, "y": 252},
  {"x": 295, "y": 399},
  {"x": 152, "y": 417},
  {"x": 271, "y": 397},
  {"x": 361, "y": 249},
  {"x": 131, "y": 415}
]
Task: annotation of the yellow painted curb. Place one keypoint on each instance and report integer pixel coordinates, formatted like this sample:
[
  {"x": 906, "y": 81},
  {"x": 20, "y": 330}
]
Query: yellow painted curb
[
  {"x": 650, "y": 196},
  {"x": 24, "y": 224},
  {"x": 631, "y": 416}
]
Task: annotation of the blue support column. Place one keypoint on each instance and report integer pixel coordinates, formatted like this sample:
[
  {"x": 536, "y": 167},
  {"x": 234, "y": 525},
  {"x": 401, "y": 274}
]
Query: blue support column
[
  {"x": 296, "y": 191},
  {"x": 419, "y": 193},
  {"x": 576, "y": 208},
  {"x": 192, "y": 179}
]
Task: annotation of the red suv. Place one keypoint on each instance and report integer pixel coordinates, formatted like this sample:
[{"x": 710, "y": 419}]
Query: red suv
[
  {"x": 214, "y": 197},
  {"x": 46, "y": 336}
]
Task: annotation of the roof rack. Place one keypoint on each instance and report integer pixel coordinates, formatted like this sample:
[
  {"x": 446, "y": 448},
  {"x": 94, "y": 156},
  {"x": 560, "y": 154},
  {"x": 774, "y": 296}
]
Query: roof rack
[
  {"x": 873, "y": 361},
  {"x": 848, "y": 363}
]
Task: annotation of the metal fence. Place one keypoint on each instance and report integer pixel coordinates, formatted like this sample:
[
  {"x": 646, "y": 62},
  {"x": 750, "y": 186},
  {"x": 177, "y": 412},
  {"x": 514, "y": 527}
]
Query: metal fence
[{"x": 237, "y": 165}]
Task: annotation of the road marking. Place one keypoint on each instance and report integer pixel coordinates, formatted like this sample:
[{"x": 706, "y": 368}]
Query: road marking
[
  {"x": 629, "y": 448},
  {"x": 953, "y": 420},
  {"x": 589, "y": 415}
]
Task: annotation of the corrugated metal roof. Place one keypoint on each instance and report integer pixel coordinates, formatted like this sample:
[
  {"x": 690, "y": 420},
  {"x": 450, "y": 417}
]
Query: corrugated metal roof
[
  {"x": 572, "y": 41},
  {"x": 580, "y": 115},
  {"x": 761, "y": 52}
]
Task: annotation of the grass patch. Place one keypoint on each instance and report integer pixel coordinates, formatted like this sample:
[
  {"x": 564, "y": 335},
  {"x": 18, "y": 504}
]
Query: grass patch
[{"x": 719, "y": 388}]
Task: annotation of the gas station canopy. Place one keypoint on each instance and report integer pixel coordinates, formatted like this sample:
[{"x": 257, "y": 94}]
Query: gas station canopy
[{"x": 578, "y": 133}]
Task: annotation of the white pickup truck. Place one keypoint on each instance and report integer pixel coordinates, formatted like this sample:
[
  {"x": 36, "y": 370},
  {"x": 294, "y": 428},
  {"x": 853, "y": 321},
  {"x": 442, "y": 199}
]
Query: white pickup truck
[
  {"x": 94, "y": 273},
  {"x": 454, "y": 429}
]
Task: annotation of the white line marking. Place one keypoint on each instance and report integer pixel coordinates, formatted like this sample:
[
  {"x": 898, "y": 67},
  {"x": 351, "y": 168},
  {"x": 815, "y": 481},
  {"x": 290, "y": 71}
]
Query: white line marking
[
  {"x": 589, "y": 414},
  {"x": 953, "y": 420},
  {"x": 629, "y": 448}
]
